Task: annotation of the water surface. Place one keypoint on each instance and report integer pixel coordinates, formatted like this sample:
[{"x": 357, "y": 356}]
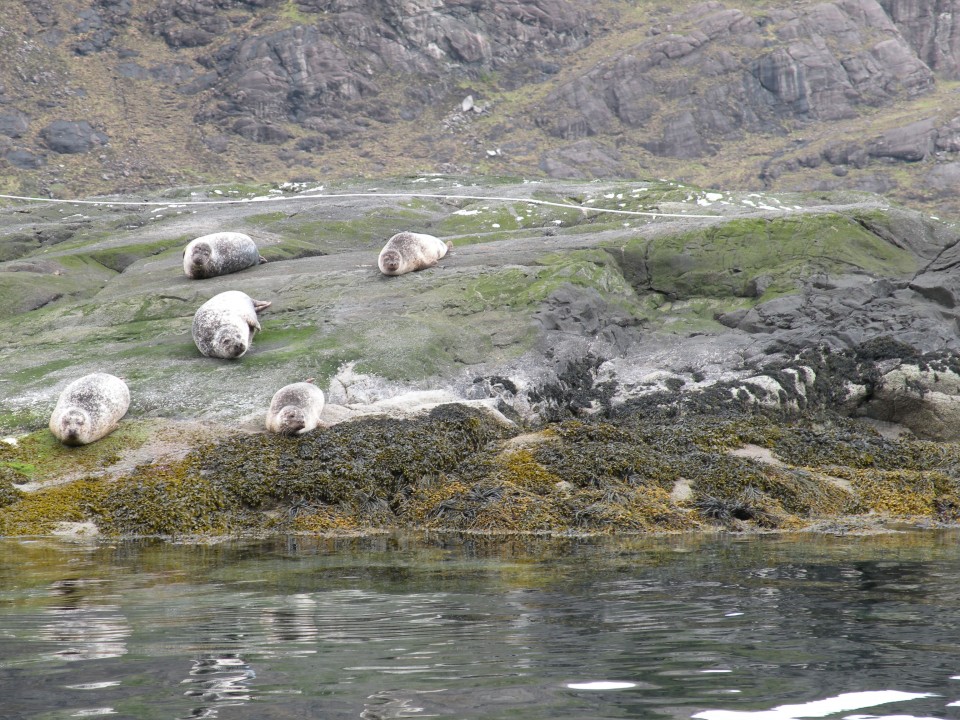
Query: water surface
[{"x": 715, "y": 628}]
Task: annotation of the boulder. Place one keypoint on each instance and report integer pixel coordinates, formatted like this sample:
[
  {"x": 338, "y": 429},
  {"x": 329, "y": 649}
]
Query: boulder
[
  {"x": 911, "y": 143},
  {"x": 72, "y": 137},
  {"x": 944, "y": 177},
  {"x": 24, "y": 159}
]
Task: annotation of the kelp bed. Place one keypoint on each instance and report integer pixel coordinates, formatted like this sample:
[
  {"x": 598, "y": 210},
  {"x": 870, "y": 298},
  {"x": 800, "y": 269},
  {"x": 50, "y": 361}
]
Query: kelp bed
[{"x": 459, "y": 469}]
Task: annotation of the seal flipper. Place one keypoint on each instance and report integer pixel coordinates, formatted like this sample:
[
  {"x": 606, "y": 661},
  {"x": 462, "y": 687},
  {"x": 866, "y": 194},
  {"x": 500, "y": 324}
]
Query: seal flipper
[
  {"x": 260, "y": 305},
  {"x": 262, "y": 259}
]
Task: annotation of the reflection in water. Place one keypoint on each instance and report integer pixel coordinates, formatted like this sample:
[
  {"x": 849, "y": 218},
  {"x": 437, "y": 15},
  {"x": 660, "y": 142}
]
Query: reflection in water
[
  {"x": 388, "y": 704},
  {"x": 219, "y": 681},
  {"x": 80, "y": 629},
  {"x": 817, "y": 708},
  {"x": 291, "y": 625},
  {"x": 677, "y": 628}
]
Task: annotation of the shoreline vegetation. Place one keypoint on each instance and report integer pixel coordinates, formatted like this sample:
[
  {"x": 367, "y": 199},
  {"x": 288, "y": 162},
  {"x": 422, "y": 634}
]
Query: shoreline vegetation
[
  {"x": 742, "y": 363},
  {"x": 455, "y": 469}
]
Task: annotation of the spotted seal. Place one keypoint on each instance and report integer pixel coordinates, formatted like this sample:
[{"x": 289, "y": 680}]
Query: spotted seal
[
  {"x": 89, "y": 408},
  {"x": 407, "y": 251},
  {"x": 224, "y": 325},
  {"x": 219, "y": 254},
  {"x": 295, "y": 409}
]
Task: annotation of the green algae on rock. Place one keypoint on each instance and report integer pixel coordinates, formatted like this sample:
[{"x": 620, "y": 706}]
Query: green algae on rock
[{"x": 638, "y": 356}]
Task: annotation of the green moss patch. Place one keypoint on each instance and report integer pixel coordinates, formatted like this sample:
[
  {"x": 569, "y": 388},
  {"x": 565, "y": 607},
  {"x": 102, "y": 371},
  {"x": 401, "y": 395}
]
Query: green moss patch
[
  {"x": 759, "y": 257},
  {"x": 121, "y": 257},
  {"x": 40, "y": 457}
]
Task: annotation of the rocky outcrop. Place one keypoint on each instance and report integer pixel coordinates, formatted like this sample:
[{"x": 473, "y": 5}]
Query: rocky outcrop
[
  {"x": 832, "y": 95},
  {"x": 737, "y": 88},
  {"x": 572, "y": 321},
  {"x": 719, "y": 358},
  {"x": 557, "y": 372},
  {"x": 315, "y": 74},
  {"x": 13, "y": 124},
  {"x": 932, "y": 29}
]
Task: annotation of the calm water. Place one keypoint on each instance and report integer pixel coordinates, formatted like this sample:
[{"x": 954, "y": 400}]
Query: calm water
[{"x": 684, "y": 627}]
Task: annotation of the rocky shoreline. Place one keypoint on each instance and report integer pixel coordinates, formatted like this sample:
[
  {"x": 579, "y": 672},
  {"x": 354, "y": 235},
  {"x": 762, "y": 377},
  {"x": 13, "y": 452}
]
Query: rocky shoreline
[{"x": 590, "y": 358}]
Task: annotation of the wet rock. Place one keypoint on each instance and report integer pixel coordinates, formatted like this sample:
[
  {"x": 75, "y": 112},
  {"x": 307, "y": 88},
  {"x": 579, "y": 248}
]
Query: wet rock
[{"x": 926, "y": 400}]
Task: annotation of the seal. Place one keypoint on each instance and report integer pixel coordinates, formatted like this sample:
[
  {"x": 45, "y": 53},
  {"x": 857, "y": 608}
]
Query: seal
[
  {"x": 295, "y": 409},
  {"x": 224, "y": 325},
  {"x": 407, "y": 252},
  {"x": 89, "y": 408},
  {"x": 221, "y": 253}
]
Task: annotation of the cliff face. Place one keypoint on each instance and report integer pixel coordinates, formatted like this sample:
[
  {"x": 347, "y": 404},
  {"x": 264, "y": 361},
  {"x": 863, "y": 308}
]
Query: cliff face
[{"x": 102, "y": 95}]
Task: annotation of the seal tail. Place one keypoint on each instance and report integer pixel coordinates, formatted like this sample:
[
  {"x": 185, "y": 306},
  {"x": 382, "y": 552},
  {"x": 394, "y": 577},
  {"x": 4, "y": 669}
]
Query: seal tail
[
  {"x": 260, "y": 305},
  {"x": 262, "y": 259}
]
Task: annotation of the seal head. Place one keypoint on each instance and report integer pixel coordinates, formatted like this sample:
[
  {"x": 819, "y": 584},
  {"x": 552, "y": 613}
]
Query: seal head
[
  {"x": 390, "y": 262},
  {"x": 230, "y": 343},
  {"x": 73, "y": 425},
  {"x": 291, "y": 421},
  {"x": 199, "y": 260}
]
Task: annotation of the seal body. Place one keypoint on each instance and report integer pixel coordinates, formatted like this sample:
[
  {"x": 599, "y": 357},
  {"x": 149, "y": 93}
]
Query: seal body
[
  {"x": 224, "y": 325},
  {"x": 89, "y": 408},
  {"x": 295, "y": 409},
  {"x": 407, "y": 251},
  {"x": 219, "y": 254}
]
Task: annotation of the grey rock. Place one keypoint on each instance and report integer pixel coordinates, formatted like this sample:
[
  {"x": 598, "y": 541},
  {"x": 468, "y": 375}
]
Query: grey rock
[
  {"x": 585, "y": 158},
  {"x": 42, "y": 11},
  {"x": 944, "y": 177},
  {"x": 260, "y": 132},
  {"x": 681, "y": 138},
  {"x": 70, "y": 137},
  {"x": 24, "y": 159},
  {"x": 324, "y": 70},
  {"x": 827, "y": 63},
  {"x": 845, "y": 153},
  {"x": 932, "y": 29},
  {"x": 925, "y": 400},
  {"x": 911, "y": 143},
  {"x": 133, "y": 71},
  {"x": 948, "y": 136},
  {"x": 13, "y": 124}
]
